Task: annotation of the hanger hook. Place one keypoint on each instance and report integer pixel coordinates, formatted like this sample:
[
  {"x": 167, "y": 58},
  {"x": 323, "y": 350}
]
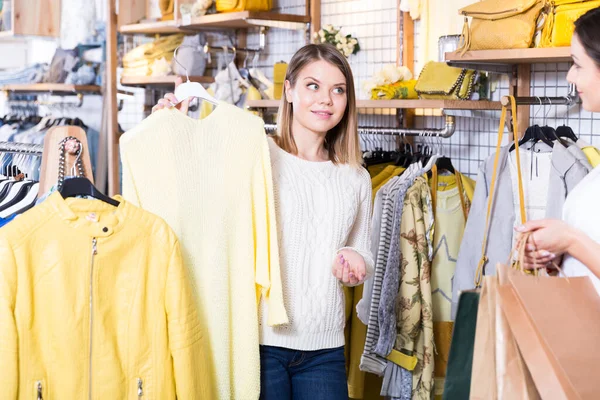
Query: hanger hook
[
  {"x": 538, "y": 110},
  {"x": 187, "y": 76},
  {"x": 548, "y": 111}
]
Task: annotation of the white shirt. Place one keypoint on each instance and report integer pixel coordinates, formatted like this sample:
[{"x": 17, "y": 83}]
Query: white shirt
[{"x": 581, "y": 211}]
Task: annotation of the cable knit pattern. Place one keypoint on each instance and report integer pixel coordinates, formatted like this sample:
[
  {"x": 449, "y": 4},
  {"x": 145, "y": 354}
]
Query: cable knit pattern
[{"x": 321, "y": 208}]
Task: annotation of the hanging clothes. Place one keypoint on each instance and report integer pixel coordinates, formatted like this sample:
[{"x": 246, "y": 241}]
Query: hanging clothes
[
  {"x": 569, "y": 167},
  {"x": 114, "y": 275},
  {"x": 371, "y": 361},
  {"x": 210, "y": 180},
  {"x": 451, "y": 200}
]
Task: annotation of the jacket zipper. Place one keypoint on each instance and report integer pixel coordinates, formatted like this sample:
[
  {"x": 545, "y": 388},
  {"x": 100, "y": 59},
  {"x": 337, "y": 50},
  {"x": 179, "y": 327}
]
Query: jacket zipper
[
  {"x": 38, "y": 385},
  {"x": 140, "y": 388},
  {"x": 94, "y": 252},
  {"x": 489, "y": 13}
]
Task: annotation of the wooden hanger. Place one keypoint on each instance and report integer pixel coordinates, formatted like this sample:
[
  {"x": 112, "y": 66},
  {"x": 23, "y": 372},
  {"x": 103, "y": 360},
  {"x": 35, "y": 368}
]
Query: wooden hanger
[{"x": 52, "y": 153}]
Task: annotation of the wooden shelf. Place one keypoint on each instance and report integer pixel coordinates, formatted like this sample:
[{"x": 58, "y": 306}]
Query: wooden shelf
[
  {"x": 249, "y": 19},
  {"x": 150, "y": 28},
  {"x": 400, "y": 104},
  {"x": 512, "y": 56},
  {"x": 160, "y": 81},
  {"x": 236, "y": 20},
  {"x": 54, "y": 88}
]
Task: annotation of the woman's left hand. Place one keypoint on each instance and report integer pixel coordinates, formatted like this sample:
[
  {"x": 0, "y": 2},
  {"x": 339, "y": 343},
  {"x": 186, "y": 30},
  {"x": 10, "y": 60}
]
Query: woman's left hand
[
  {"x": 349, "y": 267},
  {"x": 548, "y": 240}
]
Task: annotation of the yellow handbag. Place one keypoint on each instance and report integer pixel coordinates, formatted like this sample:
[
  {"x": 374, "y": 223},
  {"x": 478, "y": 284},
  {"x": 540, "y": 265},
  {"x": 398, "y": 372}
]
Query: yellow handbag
[
  {"x": 560, "y": 22},
  {"x": 243, "y": 5},
  {"x": 166, "y": 9},
  {"x": 401, "y": 90},
  {"x": 500, "y": 24},
  {"x": 439, "y": 81}
]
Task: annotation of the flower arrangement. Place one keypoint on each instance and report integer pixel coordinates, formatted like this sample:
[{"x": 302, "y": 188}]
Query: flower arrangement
[
  {"x": 347, "y": 45},
  {"x": 388, "y": 75},
  {"x": 391, "y": 82}
]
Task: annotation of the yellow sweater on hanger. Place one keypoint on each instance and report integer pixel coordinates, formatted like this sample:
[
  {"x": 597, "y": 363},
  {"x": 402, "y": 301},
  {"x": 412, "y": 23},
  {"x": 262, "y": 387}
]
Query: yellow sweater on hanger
[{"x": 210, "y": 179}]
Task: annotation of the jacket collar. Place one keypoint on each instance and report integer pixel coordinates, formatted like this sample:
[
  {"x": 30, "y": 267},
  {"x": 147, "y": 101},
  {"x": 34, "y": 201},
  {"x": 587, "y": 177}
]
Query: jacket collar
[{"x": 92, "y": 217}]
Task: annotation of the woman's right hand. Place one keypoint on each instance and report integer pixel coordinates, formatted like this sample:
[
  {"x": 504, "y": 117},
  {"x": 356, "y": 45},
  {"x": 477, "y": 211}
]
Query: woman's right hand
[{"x": 169, "y": 100}]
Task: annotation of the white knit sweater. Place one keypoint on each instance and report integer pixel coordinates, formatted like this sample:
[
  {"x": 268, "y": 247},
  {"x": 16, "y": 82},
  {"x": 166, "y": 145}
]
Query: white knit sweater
[{"x": 321, "y": 208}]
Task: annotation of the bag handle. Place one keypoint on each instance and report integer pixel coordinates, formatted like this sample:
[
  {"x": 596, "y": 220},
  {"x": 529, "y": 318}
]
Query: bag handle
[{"x": 483, "y": 261}]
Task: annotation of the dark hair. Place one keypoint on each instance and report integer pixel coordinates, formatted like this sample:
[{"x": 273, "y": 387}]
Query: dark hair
[{"x": 587, "y": 29}]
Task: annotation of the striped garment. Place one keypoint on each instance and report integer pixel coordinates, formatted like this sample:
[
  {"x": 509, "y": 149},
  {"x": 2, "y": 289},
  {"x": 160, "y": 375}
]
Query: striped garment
[{"x": 371, "y": 362}]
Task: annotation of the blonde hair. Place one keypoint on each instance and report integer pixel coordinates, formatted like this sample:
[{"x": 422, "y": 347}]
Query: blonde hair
[{"x": 341, "y": 142}]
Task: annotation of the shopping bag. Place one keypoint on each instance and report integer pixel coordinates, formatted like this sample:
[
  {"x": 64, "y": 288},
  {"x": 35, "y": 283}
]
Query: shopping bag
[
  {"x": 460, "y": 360},
  {"x": 483, "y": 376},
  {"x": 556, "y": 322},
  {"x": 513, "y": 379}
]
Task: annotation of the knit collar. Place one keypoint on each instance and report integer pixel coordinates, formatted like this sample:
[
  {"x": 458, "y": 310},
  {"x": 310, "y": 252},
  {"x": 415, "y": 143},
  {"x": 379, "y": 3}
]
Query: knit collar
[{"x": 92, "y": 217}]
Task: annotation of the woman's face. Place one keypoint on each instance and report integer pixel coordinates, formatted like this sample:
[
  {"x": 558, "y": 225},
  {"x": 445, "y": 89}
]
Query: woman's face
[
  {"x": 318, "y": 98},
  {"x": 585, "y": 74}
]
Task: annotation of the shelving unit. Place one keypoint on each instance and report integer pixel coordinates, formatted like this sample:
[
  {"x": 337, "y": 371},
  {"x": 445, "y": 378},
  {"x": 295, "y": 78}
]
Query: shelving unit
[
  {"x": 236, "y": 20},
  {"x": 161, "y": 81},
  {"x": 403, "y": 104},
  {"x": 512, "y": 56},
  {"x": 52, "y": 88}
]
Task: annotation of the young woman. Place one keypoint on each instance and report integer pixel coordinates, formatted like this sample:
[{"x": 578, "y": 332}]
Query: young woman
[
  {"x": 323, "y": 207},
  {"x": 578, "y": 234}
]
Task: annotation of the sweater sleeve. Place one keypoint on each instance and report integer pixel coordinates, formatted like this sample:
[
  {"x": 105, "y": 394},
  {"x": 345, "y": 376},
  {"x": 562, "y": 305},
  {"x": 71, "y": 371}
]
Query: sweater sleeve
[
  {"x": 266, "y": 250},
  {"x": 187, "y": 337},
  {"x": 9, "y": 357},
  {"x": 359, "y": 239},
  {"x": 129, "y": 190}
]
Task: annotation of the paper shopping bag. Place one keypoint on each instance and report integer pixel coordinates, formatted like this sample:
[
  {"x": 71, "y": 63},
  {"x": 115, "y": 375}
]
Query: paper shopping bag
[
  {"x": 513, "y": 379},
  {"x": 556, "y": 322},
  {"x": 483, "y": 375}
]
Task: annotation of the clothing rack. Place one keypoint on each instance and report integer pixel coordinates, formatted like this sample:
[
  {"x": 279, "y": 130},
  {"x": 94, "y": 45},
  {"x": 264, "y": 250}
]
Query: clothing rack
[
  {"x": 21, "y": 148},
  {"x": 262, "y": 39},
  {"x": 567, "y": 100},
  {"x": 445, "y": 132},
  {"x": 61, "y": 103}
]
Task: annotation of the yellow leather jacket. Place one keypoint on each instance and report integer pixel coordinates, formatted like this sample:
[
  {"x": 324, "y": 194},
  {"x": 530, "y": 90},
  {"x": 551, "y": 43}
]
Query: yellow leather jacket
[{"x": 95, "y": 303}]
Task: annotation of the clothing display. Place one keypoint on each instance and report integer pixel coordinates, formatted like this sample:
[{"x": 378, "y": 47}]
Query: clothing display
[
  {"x": 157, "y": 248},
  {"x": 92, "y": 339},
  {"x": 31, "y": 74},
  {"x": 32, "y": 130},
  {"x": 569, "y": 167},
  {"x": 140, "y": 60},
  {"x": 329, "y": 207},
  {"x": 406, "y": 305},
  {"x": 215, "y": 191}
]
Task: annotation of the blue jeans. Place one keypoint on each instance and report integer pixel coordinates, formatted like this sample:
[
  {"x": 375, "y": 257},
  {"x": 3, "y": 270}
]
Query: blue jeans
[{"x": 302, "y": 375}]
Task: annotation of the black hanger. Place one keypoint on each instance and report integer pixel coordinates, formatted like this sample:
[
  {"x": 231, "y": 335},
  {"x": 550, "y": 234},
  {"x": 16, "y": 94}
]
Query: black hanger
[
  {"x": 566, "y": 132},
  {"x": 83, "y": 187},
  {"x": 445, "y": 163},
  {"x": 23, "y": 190},
  {"x": 535, "y": 134}
]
